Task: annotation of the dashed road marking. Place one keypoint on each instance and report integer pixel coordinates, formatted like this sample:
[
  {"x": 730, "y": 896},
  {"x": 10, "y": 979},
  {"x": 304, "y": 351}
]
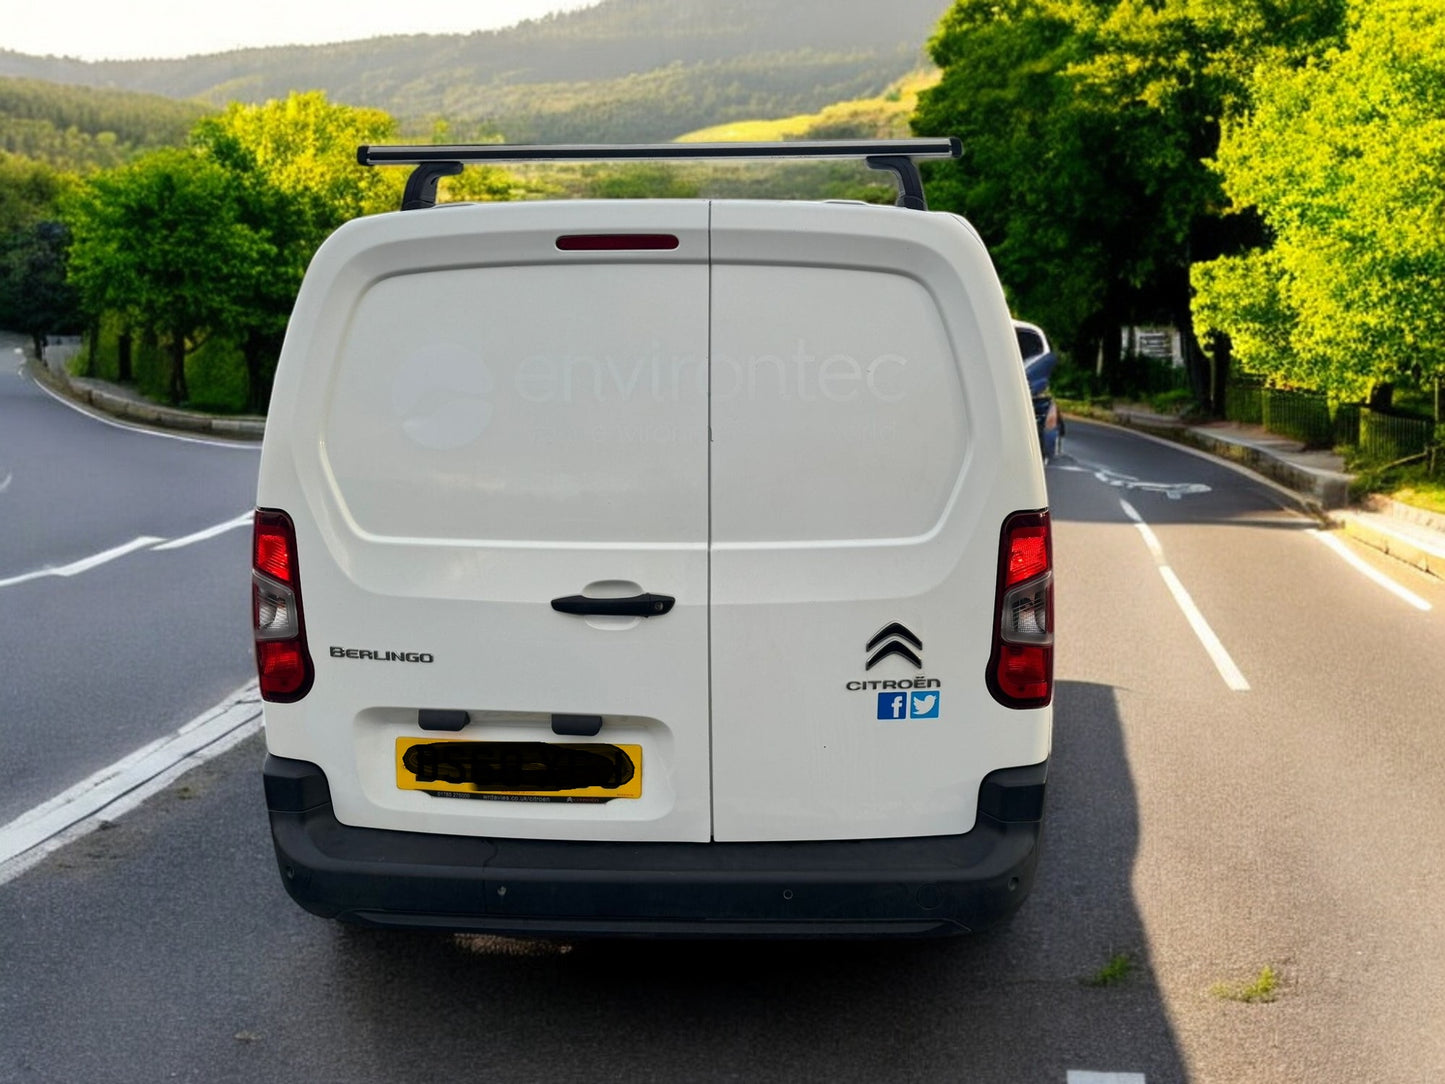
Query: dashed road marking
[
  {"x": 1084, "y": 1076},
  {"x": 1212, "y": 645}
]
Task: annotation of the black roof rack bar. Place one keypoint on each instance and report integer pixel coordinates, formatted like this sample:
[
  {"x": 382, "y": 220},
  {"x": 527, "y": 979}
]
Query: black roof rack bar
[{"x": 436, "y": 161}]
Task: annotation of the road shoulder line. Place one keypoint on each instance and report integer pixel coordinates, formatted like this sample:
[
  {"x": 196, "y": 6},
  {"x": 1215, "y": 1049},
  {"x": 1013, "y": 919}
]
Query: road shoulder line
[{"x": 127, "y": 783}]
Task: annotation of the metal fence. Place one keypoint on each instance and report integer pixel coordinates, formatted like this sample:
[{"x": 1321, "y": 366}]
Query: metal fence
[
  {"x": 1385, "y": 438},
  {"x": 1301, "y": 415},
  {"x": 1310, "y": 418},
  {"x": 1244, "y": 403}
]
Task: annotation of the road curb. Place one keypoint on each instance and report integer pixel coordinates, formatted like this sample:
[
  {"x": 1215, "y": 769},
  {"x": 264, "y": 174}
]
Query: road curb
[
  {"x": 118, "y": 405},
  {"x": 1403, "y": 548},
  {"x": 1329, "y": 490}
]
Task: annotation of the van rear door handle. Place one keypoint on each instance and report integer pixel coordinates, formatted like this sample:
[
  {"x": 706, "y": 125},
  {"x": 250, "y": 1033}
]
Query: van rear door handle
[{"x": 636, "y": 606}]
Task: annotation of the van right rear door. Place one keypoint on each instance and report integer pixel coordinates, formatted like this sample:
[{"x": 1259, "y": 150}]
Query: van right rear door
[{"x": 870, "y": 433}]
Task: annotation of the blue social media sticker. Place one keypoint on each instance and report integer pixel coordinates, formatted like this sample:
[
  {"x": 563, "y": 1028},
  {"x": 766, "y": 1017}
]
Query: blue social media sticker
[
  {"x": 924, "y": 705},
  {"x": 893, "y": 705}
]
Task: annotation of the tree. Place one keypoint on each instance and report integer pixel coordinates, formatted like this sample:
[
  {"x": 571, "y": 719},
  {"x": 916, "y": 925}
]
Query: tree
[
  {"x": 296, "y": 179},
  {"x": 163, "y": 243},
  {"x": 35, "y": 297},
  {"x": 1087, "y": 125},
  {"x": 1345, "y": 161},
  {"x": 29, "y": 192},
  {"x": 305, "y": 146}
]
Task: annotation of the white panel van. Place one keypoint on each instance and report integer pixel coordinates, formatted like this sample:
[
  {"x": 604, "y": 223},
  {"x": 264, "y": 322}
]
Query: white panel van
[{"x": 665, "y": 567}]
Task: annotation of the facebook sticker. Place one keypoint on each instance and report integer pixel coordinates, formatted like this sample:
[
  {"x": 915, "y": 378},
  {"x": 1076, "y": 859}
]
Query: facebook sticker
[
  {"x": 893, "y": 705},
  {"x": 924, "y": 705}
]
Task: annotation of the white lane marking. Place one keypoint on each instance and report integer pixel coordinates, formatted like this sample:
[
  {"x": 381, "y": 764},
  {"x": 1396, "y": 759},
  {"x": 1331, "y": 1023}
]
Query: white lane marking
[
  {"x": 1150, "y": 538},
  {"x": 1216, "y": 650},
  {"x": 144, "y": 542},
  {"x": 1083, "y": 1076},
  {"x": 209, "y": 532},
  {"x": 1359, "y": 565},
  {"x": 86, "y": 564},
  {"x": 6, "y": 484},
  {"x": 127, "y": 783},
  {"x": 243, "y": 445}
]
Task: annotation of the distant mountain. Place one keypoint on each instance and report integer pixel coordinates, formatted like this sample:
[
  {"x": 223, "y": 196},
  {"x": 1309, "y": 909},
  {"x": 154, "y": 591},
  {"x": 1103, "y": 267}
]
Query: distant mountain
[
  {"x": 77, "y": 127},
  {"x": 625, "y": 69}
]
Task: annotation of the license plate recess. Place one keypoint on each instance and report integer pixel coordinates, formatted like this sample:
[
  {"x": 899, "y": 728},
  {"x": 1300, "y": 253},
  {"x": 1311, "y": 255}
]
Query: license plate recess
[{"x": 519, "y": 770}]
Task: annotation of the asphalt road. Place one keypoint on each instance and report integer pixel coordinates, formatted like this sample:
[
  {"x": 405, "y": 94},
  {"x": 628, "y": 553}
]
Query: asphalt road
[
  {"x": 102, "y": 660},
  {"x": 1199, "y": 829}
]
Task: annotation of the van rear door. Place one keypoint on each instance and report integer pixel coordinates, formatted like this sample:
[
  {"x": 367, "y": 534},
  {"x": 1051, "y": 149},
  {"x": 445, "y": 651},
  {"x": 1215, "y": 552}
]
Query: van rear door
[
  {"x": 870, "y": 434},
  {"x": 496, "y": 407}
]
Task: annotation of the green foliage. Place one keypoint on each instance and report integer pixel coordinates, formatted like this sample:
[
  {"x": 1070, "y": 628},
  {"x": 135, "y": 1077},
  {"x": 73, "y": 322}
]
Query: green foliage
[
  {"x": 296, "y": 179},
  {"x": 35, "y": 297},
  {"x": 1345, "y": 161},
  {"x": 1075, "y": 382},
  {"x": 304, "y": 146},
  {"x": 204, "y": 249},
  {"x": 82, "y": 128},
  {"x": 162, "y": 242},
  {"x": 30, "y": 191},
  {"x": 1179, "y": 401},
  {"x": 1086, "y": 125},
  {"x": 216, "y": 377},
  {"x": 1416, "y": 485}
]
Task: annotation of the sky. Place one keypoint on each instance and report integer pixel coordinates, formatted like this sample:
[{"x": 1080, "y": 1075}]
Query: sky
[{"x": 133, "y": 29}]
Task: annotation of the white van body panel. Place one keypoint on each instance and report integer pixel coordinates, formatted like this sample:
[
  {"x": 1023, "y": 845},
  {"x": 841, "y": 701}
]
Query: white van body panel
[
  {"x": 860, "y": 363},
  {"x": 806, "y": 422}
]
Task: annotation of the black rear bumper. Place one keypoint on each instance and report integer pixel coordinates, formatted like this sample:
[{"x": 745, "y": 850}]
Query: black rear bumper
[{"x": 843, "y": 888}]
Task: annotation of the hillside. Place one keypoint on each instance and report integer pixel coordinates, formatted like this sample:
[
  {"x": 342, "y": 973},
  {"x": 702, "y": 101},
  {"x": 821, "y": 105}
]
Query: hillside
[
  {"x": 77, "y": 127},
  {"x": 623, "y": 70},
  {"x": 885, "y": 116}
]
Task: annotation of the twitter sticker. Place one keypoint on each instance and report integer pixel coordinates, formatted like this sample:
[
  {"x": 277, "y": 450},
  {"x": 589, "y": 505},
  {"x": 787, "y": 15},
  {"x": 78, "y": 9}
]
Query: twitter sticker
[{"x": 924, "y": 705}]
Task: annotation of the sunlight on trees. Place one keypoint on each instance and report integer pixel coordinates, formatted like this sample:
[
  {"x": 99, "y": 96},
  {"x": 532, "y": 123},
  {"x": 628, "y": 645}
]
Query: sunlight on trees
[{"x": 1345, "y": 161}]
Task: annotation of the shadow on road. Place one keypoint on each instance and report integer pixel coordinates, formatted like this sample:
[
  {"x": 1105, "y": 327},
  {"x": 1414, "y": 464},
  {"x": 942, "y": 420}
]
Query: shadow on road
[
  {"x": 1012, "y": 1005},
  {"x": 165, "y": 948}
]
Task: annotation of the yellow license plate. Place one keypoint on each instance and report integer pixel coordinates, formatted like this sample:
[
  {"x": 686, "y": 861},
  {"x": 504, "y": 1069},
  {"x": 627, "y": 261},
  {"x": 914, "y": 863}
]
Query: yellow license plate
[{"x": 521, "y": 770}]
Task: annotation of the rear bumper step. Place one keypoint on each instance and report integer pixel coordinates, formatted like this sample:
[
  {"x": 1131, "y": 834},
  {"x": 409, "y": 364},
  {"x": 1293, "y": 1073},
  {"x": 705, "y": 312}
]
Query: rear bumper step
[{"x": 842, "y": 888}]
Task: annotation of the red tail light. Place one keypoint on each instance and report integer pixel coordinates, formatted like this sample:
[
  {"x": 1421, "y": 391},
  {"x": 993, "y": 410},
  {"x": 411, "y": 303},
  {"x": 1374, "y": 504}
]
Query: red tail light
[
  {"x": 1021, "y": 668},
  {"x": 283, "y": 663}
]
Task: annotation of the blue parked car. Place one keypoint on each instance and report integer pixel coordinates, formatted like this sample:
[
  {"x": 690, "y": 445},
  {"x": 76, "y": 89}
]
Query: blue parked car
[{"x": 1039, "y": 362}]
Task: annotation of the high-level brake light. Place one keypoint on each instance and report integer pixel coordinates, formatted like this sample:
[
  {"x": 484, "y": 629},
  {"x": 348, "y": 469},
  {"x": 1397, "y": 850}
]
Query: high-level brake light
[
  {"x": 1021, "y": 668},
  {"x": 283, "y": 663}
]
